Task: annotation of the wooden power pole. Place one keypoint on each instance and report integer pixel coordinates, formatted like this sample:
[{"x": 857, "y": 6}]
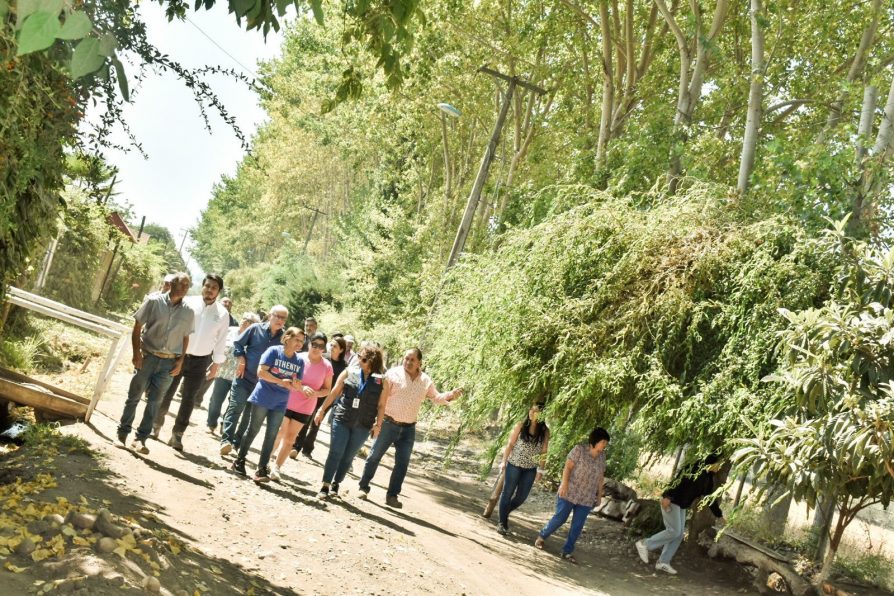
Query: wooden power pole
[
  {"x": 465, "y": 225},
  {"x": 475, "y": 196}
]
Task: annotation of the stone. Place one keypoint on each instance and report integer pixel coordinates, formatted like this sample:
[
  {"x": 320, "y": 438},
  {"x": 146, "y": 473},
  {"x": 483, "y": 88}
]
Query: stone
[
  {"x": 106, "y": 544},
  {"x": 81, "y": 521},
  {"x": 107, "y": 526},
  {"x": 54, "y": 518},
  {"x": 116, "y": 579},
  {"x": 39, "y": 526},
  {"x": 151, "y": 584},
  {"x": 25, "y": 547}
]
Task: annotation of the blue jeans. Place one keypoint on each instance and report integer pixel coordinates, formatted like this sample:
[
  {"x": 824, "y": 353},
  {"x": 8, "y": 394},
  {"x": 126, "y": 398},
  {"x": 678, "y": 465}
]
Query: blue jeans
[
  {"x": 344, "y": 443},
  {"x": 517, "y": 483},
  {"x": 256, "y": 417},
  {"x": 154, "y": 376},
  {"x": 403, "y": 438},
  {"x": 563, "y": 509},
  {"x": 672, "y": 535},
  {"x": 238, "y": 397},
  {"x": 215, "y": 403}
]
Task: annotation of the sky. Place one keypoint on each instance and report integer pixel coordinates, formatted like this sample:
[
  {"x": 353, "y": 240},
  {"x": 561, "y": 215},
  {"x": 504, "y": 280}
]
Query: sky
[{"x": 173, "y": 185}]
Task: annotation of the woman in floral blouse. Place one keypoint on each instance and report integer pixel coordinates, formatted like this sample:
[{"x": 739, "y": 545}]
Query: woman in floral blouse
[{"x": 580, "y": 490}]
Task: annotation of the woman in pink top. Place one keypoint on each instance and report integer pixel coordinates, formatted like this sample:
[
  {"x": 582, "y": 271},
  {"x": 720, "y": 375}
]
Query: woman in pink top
[{"x": 317, "y": 382}]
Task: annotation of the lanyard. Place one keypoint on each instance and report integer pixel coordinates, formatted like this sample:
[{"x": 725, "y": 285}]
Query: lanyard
[{"x": 362, "y": 384}]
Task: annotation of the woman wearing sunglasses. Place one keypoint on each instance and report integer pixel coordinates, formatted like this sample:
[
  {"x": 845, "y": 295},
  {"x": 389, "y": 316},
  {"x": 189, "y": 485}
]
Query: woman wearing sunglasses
[
  {"x": 362, "y": 391},
  {"x": 317, "y": 381}
]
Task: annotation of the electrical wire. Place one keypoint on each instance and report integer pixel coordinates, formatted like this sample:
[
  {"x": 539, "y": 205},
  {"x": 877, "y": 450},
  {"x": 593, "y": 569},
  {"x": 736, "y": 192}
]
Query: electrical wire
[{"x": 221, "y": 48}]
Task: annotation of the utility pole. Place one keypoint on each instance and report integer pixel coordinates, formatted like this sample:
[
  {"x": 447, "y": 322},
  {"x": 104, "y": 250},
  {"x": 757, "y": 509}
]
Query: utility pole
[
  {"x": 182, "y": 242},
  {"x": 310, "y": 229},
  {"x": 465, "y": 225}
]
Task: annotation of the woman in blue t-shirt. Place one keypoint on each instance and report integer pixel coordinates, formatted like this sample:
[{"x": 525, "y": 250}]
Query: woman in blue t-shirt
[{"x": 279, "y": 371}]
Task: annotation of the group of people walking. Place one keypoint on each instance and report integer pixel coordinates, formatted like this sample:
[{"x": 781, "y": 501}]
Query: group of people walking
[
  {"x": 284, "y": 379},
  {"x": 291, "y": 377}
]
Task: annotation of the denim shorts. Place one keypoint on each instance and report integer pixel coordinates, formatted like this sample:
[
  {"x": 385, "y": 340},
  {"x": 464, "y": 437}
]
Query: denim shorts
[{"x": 302, "y": 418}]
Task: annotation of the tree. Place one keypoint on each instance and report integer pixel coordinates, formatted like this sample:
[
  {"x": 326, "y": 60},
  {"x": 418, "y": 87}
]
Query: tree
[
  {"x": 165, "y": 245},
  {"x": 837, "y": 444}
]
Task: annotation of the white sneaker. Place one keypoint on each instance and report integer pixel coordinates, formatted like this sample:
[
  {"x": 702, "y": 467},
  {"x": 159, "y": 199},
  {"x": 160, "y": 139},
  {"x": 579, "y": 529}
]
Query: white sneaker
[
  {"x": 274, "y": 473},
  {"x": 225, "y": 448},
  {"x": 642, "y": 551},
  {"x": 665, "y": 568}
]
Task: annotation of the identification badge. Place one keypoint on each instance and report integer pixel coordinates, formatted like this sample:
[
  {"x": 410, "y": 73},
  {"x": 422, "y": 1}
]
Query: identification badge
[{"x": 356, "y": 403}]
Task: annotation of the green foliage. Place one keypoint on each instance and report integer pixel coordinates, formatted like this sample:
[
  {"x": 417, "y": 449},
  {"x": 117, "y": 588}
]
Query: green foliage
[
  {"x": 837, "y": 441},
  {"x": 20, "y": 354},
  {"x": 163, "y": 243},
  {"x": 291, "y": 281},
  {"x": 665, "y": 316},
  {"x": 82, "y": 260},
  {"x": 867, "y": 567},
  {"x": 38, "y": 118}
]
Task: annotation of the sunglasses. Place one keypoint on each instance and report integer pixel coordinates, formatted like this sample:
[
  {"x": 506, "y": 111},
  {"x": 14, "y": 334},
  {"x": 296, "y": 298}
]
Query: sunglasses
[
  {"x": 364, "y": 359},
  {"x": 318, "y": 346}
]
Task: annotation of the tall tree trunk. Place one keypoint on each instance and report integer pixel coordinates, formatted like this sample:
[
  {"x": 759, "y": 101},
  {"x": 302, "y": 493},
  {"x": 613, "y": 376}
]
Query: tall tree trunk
[
  {"x": 755, "y": 98},
  {"x": 856, "y": 68},
  {"x": 691, "y": 78},
  {"x": 872, "y": 177},
  {"x": 448, "y": 177},
  {"x": 822, "y": 523},
  {"x": 864, "y": 130},
  {"x": 608, "y": 84}
]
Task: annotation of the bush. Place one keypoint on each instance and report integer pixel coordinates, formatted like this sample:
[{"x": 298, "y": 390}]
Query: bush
[{"x": 665, "y": 317}]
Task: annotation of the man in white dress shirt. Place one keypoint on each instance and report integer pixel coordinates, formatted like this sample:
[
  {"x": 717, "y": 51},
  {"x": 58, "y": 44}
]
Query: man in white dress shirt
[{"x": 204, "y": 355}]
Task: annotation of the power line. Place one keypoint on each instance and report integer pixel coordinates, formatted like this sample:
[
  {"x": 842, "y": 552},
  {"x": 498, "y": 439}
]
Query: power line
[{"x": 221, "y": 48}]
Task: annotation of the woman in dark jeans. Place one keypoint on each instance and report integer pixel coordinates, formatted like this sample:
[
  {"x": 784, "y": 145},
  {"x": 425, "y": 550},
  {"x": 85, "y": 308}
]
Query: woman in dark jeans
[
  {"x": 308, "y": 435},
  {"x": 279, "y": 372},
  {"x": 361, "y": 392},
  {"x": 522, "y": 460}
]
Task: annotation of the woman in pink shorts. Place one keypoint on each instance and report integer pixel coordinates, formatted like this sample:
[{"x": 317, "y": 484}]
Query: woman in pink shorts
[{"x": 317, "y": 382}]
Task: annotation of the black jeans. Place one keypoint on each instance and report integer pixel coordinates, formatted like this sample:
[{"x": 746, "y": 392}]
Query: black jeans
[
  {"x": 308, "y": 435},
  {"x": 193, "y": 378}
]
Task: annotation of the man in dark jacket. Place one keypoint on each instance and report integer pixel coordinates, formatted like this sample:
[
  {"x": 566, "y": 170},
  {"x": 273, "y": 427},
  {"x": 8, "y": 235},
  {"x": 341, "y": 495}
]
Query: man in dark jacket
[{"x": 693, "y": 483}]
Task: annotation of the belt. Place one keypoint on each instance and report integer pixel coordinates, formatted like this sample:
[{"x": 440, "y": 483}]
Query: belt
[
  {"x": 162, "y": 355},
  {"x": 194, "y": 356},
  {"x": 395, "y": 422}
]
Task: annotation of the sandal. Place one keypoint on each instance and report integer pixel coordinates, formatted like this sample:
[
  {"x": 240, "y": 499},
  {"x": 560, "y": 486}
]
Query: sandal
[
  {"x": 539, "y": 542},
  {"x": 570, "y": 558}
]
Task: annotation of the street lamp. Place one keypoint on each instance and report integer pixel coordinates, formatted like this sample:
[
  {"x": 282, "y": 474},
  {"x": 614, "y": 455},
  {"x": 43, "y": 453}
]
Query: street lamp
[{"x": 446, "y": 110}]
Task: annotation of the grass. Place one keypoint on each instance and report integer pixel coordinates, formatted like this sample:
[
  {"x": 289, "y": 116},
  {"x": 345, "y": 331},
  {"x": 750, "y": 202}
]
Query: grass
[
  {"x": 47, "y": 440},
  {"x": 867, "y": 567},
  {"x": 34, "y": 343}
]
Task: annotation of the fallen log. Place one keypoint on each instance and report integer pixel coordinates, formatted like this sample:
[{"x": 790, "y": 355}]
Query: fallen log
[{"x": 743, "y": 551}]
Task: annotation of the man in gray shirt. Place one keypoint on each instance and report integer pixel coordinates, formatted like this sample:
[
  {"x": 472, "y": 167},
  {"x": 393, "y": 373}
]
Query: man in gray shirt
[{"x": 160, "y": 337}]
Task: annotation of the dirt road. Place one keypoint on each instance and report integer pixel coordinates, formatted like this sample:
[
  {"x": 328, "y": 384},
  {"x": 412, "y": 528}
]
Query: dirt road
[{"x": 437, "y": 543}]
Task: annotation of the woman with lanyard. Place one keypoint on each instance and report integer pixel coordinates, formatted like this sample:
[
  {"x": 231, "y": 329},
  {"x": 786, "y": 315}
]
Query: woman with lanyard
[
  {"x": 362, "y": 392},
  {"x": 316, "y": 381},
  {"x": 279, "y": 372}
]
